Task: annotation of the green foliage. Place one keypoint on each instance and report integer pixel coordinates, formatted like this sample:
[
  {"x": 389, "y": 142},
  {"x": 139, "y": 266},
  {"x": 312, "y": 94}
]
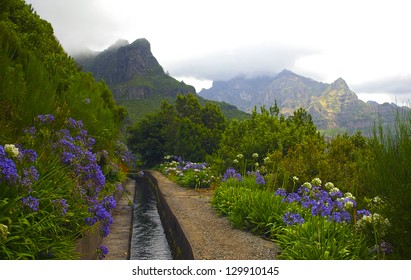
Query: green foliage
[
  {"x": 38, "y": 78},
  {"x": 188, "y": 130},
  {"x": 320, "y": 239},
  {"x": 388, "y": 175},
  {"x": 254, "y": 207}
]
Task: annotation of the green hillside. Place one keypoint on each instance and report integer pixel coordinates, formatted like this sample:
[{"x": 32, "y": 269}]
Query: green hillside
[{"x": 61, "y": 161}]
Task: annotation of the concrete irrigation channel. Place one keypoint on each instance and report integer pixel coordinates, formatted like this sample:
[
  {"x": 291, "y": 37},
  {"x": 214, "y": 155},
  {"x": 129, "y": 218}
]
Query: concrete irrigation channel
[{"x": 193, "y": 228}]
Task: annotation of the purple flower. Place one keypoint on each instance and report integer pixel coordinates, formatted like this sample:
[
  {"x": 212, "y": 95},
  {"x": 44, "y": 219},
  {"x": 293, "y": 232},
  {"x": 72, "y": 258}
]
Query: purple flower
[
  {"x": 45, "y": 119},
  {"x": 30, "y": 176},
  {"x": 30, "y": 155},
  {"x": 259, "y": 180},
  {"x": 8, "y": 170},
  {"x": 292, "y": 197},
  {"x": 292, "y": 219},
  {"x": 30, "y": 131},
  {"x": 109, "y": 202},
  {"x": 74, "y": 124},
  {"x": 31, "y": 202},
  {"x": 384, "y": 248},
  {"x": 281, "y": 192},
  {"x": 231, "y": 173},
  {"x": 61, "y": 205},
  {"x": 103, "y": 251},
  {"x": 67, "y": 158},
  {"x": 363, "y": 212}
]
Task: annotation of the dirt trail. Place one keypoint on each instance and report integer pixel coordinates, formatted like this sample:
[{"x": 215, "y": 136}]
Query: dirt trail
[{"x": 211, "y": 236}]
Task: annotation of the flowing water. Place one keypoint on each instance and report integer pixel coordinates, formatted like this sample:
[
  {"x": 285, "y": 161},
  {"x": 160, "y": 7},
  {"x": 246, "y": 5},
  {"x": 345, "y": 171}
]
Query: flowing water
[{"x": 148, "y": 240}]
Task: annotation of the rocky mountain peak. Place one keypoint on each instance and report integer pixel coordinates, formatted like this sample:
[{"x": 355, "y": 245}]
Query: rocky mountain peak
[{"x": 339, "y": 84}]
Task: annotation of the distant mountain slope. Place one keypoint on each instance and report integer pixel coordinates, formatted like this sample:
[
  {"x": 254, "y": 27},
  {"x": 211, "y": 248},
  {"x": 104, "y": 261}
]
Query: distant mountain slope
[
  {"x": 334, "y": 107},
  {"x": 137, "y": 80}
]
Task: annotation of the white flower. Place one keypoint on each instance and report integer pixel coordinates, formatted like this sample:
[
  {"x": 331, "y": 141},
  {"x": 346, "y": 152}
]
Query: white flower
[
  {"x": 295, "y": 178},
  {"x": 316, "y": 182},
  {"x": 307, "y": 185},
  {"x": 235, "y": 161},
  {"x": 240, "y": 156},
  {"x": 328, "y": 186},
  {"x": 266, "y": 160},
  {"x": 256, "y": 164},
  {"x": 255, "y": 155},
  {"x": 12, "y": 150},
  {"x": 349, "y": 195}
]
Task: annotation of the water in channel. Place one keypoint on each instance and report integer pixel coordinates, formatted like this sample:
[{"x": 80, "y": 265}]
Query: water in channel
[{"x": 148, "y": 240}]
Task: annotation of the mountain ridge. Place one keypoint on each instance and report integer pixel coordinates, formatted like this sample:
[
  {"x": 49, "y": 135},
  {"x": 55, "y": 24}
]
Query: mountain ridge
[
  {"x": 333, "y": 106},
  {"x": 137, "y": 79}
]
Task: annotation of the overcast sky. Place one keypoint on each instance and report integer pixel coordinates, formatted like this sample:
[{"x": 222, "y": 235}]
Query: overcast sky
[{"x": 367, "y": 43}]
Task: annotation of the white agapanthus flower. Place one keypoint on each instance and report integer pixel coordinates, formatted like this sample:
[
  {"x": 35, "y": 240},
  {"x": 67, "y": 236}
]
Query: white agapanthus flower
[{"x": 12, "y": 150}]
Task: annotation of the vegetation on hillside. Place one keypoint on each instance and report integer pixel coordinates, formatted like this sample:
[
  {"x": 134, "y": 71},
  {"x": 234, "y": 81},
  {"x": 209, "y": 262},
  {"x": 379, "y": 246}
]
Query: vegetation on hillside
[
  {"x": 262, "y": 174},
  {"x": 61, "y": 159}
]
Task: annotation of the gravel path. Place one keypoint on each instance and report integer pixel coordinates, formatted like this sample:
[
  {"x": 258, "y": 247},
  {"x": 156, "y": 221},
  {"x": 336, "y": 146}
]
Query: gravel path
[{"x": 211, "y": 236}]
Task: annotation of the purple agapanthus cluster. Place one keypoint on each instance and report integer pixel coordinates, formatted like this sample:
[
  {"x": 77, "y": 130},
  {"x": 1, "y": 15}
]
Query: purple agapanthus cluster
[
  {"x": 259, "y": 179},
  {"x": 61, "y": 205},
  {"x": 76, "y": 153},
  {"x": 31, "y": 203},
  {"x": 292, "y": 218},
  {"x": 45, "y": 119},
  {"x": 101, "y": 212},
  {"x": 331, "y": 204},
  {"x": 8, "y": 169},
  {"x": 232, "y": 173},
  {"x": 122, "y": 152},
  {"x": 17, "y": 169},
  {"x": 103, "y": 251},
  {"x": 75, "y": 148}
]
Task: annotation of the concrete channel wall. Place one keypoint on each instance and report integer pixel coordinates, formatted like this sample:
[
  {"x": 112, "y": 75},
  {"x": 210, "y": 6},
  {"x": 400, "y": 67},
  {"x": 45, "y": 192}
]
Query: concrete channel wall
[{"x": 179, "y": 245}]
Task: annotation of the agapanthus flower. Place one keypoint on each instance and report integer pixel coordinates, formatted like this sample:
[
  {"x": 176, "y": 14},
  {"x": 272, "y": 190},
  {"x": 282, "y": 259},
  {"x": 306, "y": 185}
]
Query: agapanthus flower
[
  {"x": 31, "y": 202},
  {"x": 293, "y": 218},
  {"x": 8, "y": 170},
  {"x": 316, "y": 182},
  {"x": 281, "y": 192},
  {"x": 45, "y": 119},
  {"x": 30, "y": 131},
  {"x": 231, "y": 173},
  {"x": 335, "y": 193},
  {"x": 11, "y": 150},
  {"x": 61, "y": 205},
  {"x": 259, "y": 179},
  {"x": 30, "y": 175},
  {"x": 103, "y": 251},
  {"x": 29, "y": 155},
  {"x": 307, "y": 185},
  {"x": 292, "y": 197}
]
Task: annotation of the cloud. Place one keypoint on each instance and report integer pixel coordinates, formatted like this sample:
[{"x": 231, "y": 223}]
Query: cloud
[
  {"x": 246, "y": 60},
  {"x": 397, "y": 85},
  {"x": 79, "y": 24}
]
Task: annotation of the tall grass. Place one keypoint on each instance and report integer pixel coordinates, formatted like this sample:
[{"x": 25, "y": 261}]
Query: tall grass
[{"x": 389, "y": 175}]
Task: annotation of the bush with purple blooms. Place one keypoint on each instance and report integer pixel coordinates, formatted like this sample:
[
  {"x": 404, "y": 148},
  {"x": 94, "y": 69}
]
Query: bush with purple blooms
[
  {"x": 314, "y": 222},
  {"x": 188, "y": 174},
  {"x": 53, "y": 186}
]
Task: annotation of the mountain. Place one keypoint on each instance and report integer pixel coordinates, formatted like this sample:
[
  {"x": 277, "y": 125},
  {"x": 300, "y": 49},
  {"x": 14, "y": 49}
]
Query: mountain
[
  {"x": 333, "y": 107},
  {"x": 136, "y": 78}
]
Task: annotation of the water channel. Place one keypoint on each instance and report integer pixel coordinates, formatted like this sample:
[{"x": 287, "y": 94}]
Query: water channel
[{"x": 148, "y": 240}]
